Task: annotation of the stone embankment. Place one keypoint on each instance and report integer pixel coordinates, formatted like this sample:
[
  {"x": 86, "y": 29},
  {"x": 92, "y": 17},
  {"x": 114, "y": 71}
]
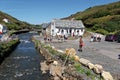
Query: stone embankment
[{"x": 64, "y": 69}]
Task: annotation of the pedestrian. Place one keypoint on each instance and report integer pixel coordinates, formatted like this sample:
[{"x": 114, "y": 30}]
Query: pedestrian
[
  {"x": 99, "y": 38},
  {"x": 91, "y": 39},
  {"x": 45, "y": 38},
  {"x": 81, "y": 44}
]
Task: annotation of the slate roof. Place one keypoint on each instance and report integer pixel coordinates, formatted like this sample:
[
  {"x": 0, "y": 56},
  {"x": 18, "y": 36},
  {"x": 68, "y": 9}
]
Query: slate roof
[
  {"x": 68, "y": 23},
  {"x": 65, "y": 24},
  {"x": 45, "y": 25}
]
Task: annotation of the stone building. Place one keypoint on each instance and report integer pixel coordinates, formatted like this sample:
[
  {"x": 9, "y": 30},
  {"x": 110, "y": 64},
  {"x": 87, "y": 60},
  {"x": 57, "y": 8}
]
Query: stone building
[{"x": 64, "y": 27}]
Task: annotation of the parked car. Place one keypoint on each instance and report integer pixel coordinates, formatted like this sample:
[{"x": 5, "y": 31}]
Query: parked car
[
  {"x": 118, "y": 39},
  {"x": 111, "y": 37}
]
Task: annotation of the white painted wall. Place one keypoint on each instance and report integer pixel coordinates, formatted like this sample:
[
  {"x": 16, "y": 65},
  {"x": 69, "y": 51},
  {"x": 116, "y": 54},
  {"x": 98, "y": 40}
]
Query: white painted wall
[
  {"x": 1, "y": 28},
  {"x": 5, "y": 20},
  {"x": 80, "y": 33},
  {"x": 55, "y": 30}
]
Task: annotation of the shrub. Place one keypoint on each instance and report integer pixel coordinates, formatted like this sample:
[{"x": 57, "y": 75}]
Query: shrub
[
  {"x": 49, "y": 48},
  {"x": 13, "y": 26},
  {"x": 102, "y": 31},
  {"x": 117, "y": 33}
]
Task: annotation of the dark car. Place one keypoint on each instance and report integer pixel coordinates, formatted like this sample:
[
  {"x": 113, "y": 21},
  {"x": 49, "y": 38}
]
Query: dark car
[
  {"x": 118, "y": 39},
  {"x": 111, "y": 37}
]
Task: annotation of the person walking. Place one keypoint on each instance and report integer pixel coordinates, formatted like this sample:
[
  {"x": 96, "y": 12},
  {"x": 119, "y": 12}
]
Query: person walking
[
  {"x": 81, "y": 44},
  {"x": 45, "y": 38}
]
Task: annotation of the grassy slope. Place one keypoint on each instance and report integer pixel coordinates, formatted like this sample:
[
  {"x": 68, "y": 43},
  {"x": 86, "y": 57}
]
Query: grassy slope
[
  {"x": 14, "y": 23},
  {"x": 104, "y": 18}
]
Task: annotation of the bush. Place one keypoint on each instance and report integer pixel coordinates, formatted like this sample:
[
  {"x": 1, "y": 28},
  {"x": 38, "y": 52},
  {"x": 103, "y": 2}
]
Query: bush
[
  {"x": 96, "y": 27},
  {"x": 13, "y": 26},
  {"x": 49, "y": 48},
  {"x": 112, "y": 26},
  {"x": 117, "y": 33},
  {"x": 101, "y": 13},
  {"x": 101, "y": 31}
]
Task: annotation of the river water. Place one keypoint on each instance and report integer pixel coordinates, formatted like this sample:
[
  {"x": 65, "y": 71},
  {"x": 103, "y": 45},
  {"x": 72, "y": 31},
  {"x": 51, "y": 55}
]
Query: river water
[{"x": 24, "y": 62}]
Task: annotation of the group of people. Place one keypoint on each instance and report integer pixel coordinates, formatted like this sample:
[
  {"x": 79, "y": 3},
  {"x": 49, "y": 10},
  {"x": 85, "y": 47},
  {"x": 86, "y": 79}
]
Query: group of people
[
  {"x": 95, "y": 37},
  {"x": 47, "y": 38},
  {"x": 81, "y": 42},
  {"x": 61, "y": 37}
]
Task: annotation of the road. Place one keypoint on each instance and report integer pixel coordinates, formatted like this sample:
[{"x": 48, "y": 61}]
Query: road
[{"x": 110, "y": 49}]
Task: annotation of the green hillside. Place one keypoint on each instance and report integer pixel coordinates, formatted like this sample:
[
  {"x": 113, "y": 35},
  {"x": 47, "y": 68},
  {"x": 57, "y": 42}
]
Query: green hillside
[
  {"x": 13, "y": 24},
  {"x": 103, "y": 19}
]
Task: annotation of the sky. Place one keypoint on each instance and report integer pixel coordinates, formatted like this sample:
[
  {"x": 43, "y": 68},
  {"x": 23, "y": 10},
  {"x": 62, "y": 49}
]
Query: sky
[{"x": 43, "y": 11}]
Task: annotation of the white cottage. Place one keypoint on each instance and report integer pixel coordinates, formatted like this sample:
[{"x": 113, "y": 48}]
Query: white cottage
[
  {"x": 5, "y": 20},
  {"x": 64, "y": 27}
]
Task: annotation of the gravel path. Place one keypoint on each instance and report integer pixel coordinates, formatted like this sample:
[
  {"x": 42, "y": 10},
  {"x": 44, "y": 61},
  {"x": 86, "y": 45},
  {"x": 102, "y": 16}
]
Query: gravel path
[{"x": 103, "y": 53}]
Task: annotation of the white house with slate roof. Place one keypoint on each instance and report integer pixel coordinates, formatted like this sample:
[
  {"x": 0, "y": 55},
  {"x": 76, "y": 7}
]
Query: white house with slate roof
[{"x": 65, "y": 27}]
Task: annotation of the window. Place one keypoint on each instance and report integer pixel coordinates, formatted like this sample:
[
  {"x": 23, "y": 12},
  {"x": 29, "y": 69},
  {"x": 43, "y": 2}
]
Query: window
[
  {"x": 52, "y": 30},
  {"x": 62, "y": 31},
  {"x": 67, "y": 30},
  {"x": 82, "y": 30}
]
